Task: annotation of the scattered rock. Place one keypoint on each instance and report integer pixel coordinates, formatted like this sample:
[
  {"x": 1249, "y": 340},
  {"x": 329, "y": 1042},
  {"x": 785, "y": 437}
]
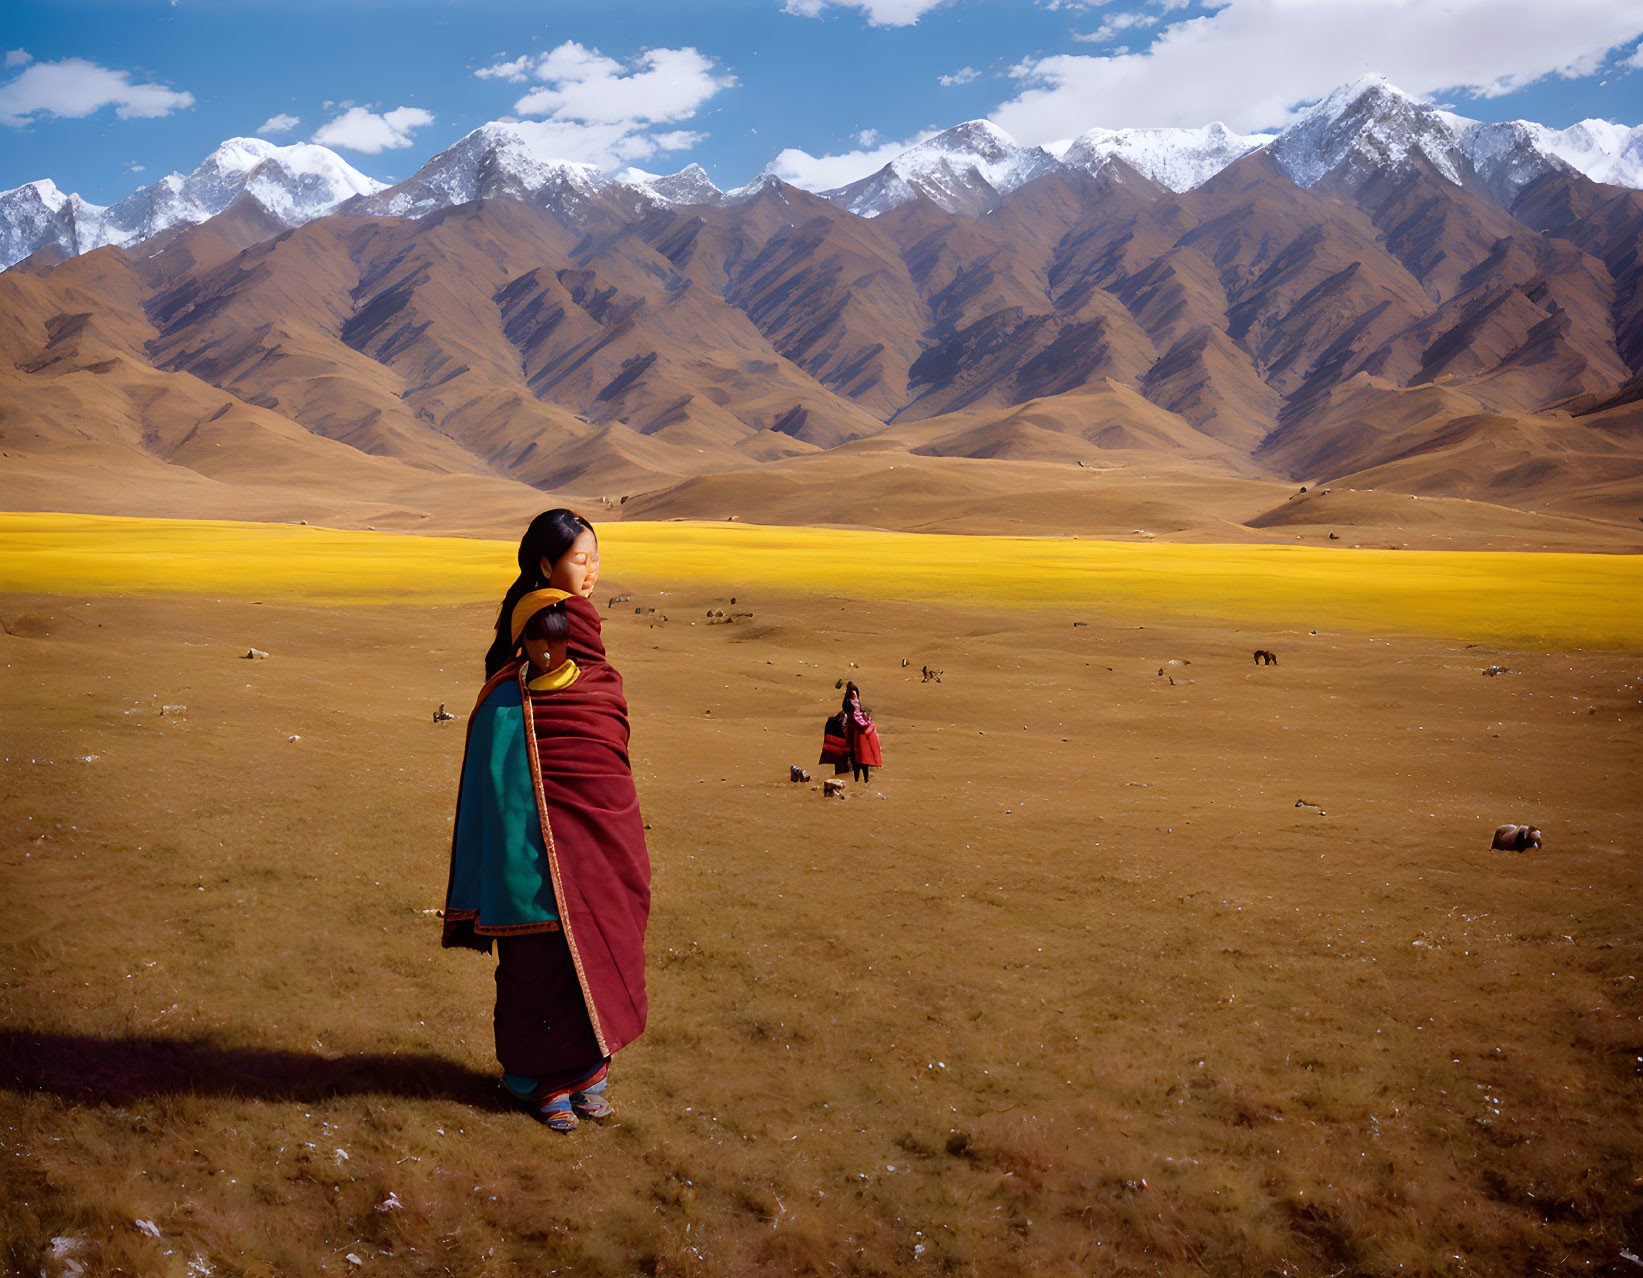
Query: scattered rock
[
  {"x": 391, "y": 1203},
  {"x": 1492, "y": 671},
  {"x": 255, "y": 654},
  {"x": 442, "y": 715},
  {"x": 174, "y": 711},
  {"x": 796, "y": 773},
  {"x": 832, "y": 789},
  {"x": 147, "y": 1227},
  {"x": 293, "y": 738}
]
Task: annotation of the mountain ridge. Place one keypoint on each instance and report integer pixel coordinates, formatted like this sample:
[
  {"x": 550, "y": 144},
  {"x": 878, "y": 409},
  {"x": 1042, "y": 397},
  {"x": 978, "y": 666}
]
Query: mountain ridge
[{"x": 1368, "y": 123}]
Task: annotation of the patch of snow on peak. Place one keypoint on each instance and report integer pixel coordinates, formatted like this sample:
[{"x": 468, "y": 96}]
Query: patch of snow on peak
[
  {"x": 690, "y": 185},
  {"x": 1603, "y": 151},
  {"x": 1513, "y": 153},
  {"x": 1179, "y": 159},
  {"x": 1367, "y": 125},
  {"x": 496, "y": 159},
  {"x": 45, "y": 191},
  {"x": 765, "y": 182},
  {"x": 961, "y": 169}
]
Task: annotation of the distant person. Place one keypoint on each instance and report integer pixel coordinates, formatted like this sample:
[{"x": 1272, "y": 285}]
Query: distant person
[
  {"x": 861, "y": 737},
  {"x": 835, "y": 744},
  {"x": 548, "y": 856}
]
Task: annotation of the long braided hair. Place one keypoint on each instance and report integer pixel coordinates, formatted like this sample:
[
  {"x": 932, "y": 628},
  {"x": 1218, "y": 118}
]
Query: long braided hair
[{"x": 549, "y": 536}]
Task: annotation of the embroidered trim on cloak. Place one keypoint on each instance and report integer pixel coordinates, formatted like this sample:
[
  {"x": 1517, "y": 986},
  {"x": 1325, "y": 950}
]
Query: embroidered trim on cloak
[{"x": 553, "y": 860}]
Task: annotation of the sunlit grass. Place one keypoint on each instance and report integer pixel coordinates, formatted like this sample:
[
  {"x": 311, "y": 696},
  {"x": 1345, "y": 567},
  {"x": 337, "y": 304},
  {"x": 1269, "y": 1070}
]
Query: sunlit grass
[{"x": 1533, "y": 599}]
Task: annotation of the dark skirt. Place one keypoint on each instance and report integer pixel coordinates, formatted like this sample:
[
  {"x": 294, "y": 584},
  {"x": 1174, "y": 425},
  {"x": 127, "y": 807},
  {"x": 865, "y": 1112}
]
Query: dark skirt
[{"x": 542, "y": 1025}]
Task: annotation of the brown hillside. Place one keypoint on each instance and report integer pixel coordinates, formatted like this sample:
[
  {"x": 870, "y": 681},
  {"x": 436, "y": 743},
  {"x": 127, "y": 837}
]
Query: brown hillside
[{"x": 1400, "y": 330}]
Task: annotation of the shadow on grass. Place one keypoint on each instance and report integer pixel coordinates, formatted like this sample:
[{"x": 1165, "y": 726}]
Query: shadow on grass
[{"x": 85, "y": 1068}]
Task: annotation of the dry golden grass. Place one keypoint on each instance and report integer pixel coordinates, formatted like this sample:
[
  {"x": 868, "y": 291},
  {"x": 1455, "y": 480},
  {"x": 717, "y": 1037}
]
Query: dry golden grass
[
  {"x": 1084, "y": 992},
  {"x": 1534, "y": 598}
]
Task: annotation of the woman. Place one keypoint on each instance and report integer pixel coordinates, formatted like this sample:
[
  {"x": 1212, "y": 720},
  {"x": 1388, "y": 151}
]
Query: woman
[
  {"x": 861, "y": 737},
  {"x": 548, "y": 857}
]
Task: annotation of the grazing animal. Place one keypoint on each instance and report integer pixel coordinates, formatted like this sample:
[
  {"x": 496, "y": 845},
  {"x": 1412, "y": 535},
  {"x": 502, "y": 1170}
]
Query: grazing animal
[
  {"x": 1515, "y": 838},
  {"x": 442, "y": 715},
  {"x": 796, "y": 773},
  {"x": 832, "y": 789},
  {"x": 1265, "y": 658}
]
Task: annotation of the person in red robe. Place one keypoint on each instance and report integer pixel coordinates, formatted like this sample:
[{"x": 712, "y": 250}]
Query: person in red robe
[
  {"x": 861, "y": 737},
  {"x": 548, "y": 856}
]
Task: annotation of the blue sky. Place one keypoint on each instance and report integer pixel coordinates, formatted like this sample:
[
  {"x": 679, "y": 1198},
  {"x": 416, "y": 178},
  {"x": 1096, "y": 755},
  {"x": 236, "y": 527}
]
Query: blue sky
[{"x": 104, "y": 96}]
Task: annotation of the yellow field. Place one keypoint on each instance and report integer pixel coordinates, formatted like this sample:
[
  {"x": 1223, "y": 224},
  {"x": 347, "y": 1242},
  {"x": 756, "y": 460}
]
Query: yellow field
[{"x": 1527, "y": 599}]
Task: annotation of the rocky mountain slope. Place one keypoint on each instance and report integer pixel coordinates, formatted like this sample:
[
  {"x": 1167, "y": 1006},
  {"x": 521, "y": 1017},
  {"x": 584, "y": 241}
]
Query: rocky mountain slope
[{"x": 1378, "y": 296}]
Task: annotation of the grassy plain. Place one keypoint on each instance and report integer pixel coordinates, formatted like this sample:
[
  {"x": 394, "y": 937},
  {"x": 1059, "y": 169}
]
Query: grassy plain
[
  {"x": 1532, "y": 598},
  {"x": 1136, "y": 958}
]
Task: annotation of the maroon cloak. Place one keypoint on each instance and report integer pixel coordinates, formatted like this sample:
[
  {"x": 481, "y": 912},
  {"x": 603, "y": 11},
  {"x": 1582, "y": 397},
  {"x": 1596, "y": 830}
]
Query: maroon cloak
[{"x": 577, "y": 742}]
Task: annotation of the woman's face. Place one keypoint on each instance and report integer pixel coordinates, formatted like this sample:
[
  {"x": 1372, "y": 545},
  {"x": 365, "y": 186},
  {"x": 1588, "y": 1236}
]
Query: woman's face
[{"x": 577, "y": 570}]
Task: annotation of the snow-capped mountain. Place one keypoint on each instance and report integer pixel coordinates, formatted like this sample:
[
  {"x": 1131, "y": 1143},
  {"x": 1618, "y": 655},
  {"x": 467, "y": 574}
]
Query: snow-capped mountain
[
  {"x": 1513, "y": 153},
  {"x": 1179, "y": 159},
  {"x": 293, "y": 183},
  {"x": 1370, "y": 125},
  {"x": 1363, "y": 126},
  {"x": 963, "y": 169},
  {"x": 506, "y": 159},
  {"x": 32, "y": 216},
  {"x": 1360, "y": 128},
  {"x": 495, "y": 160},
  {"x": 690, "y": 185}
]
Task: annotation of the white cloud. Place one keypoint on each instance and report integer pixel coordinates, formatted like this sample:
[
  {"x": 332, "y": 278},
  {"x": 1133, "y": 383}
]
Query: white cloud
[
  {"x": 1636, "y": 59},
  {"x": 583, "y": 84},
  {"x": 515, "y": 72},
  {"x": 602, "y": 111},
  {"x": 74, "y": 87},
  {"x": 824, "y": 172},
  {"x": 962, "y": 76},
  {"x": 359, "y": 129},
  {"x": 880, "y": 13},
  {"x": 609, "y": 146},
  {"x": 17, "y": 58},
  {"x": 279, "y": 124},
  {"x": 1113, "y": 25},
  {"x": 1252, "y": 61}
]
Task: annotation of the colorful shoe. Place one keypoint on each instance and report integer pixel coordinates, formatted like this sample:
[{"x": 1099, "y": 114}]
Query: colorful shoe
[
  {"x": 591, "y": 1103},
  {"x": 554, "y": 1113}
]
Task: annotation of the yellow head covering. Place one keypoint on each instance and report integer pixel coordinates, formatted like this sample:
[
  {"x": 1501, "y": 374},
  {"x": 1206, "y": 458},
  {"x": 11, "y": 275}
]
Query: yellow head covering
[{"x": 532, "y": 604}]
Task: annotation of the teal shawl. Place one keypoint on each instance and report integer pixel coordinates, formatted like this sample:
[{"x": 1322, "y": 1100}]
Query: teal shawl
[{"x": 500, "y": 885}]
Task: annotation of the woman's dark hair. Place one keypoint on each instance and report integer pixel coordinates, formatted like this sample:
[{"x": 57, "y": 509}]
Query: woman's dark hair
[
  {"x": 549, "y": 536},
  {"x": 850, "y": 690}
]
